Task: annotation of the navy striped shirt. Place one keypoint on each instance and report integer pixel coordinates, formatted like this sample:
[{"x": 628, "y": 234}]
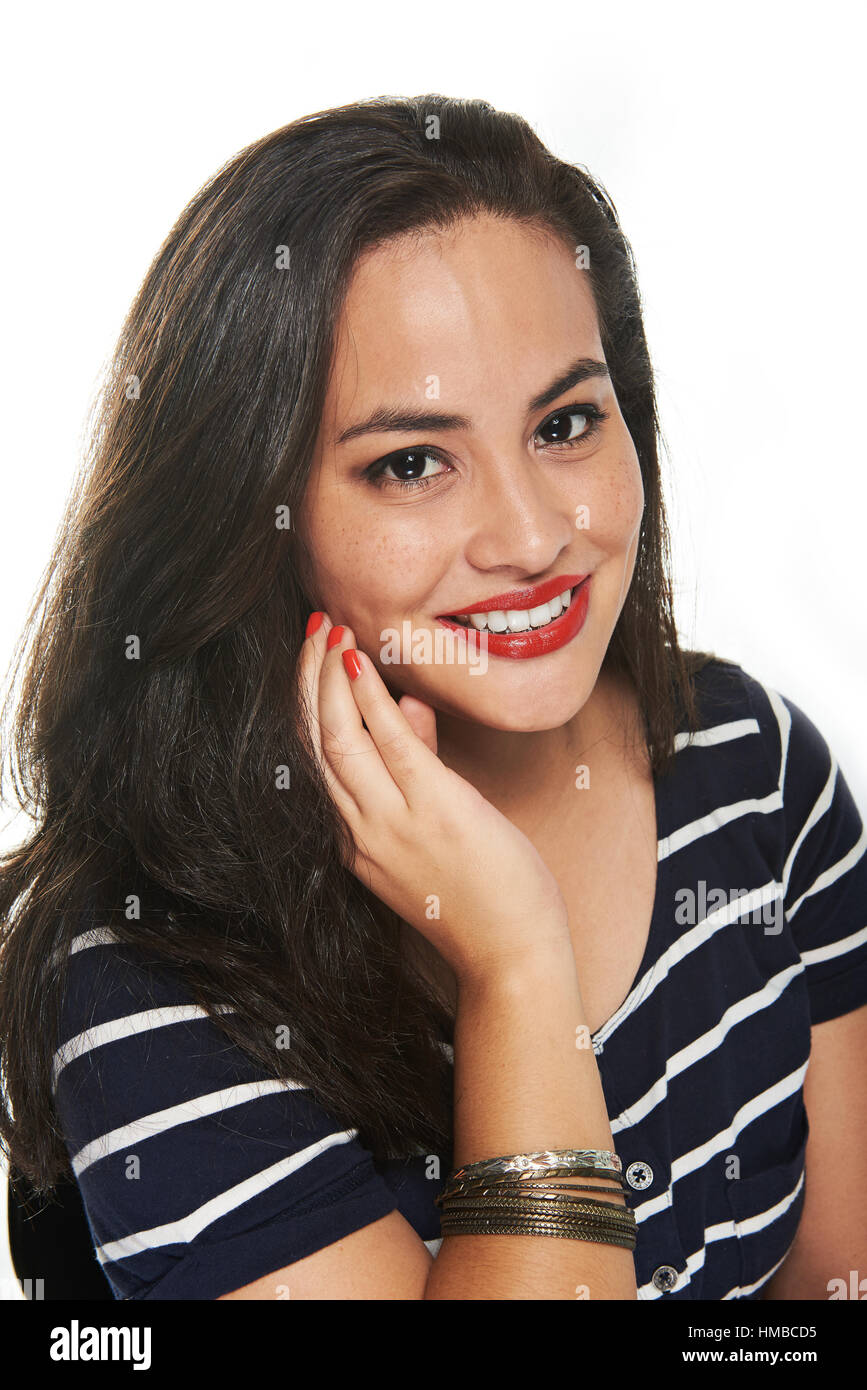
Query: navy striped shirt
[{"x": 199, "y": 1174}]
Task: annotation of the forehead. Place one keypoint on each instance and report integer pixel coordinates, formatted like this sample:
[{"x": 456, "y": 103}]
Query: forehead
[{"x": 487, "y": 301}]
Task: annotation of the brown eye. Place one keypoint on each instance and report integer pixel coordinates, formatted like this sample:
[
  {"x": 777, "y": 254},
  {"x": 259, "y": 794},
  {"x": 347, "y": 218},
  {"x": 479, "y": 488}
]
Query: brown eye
[
  {"x": 572, "y": 425},
  {"x": 411, "y": 467}
]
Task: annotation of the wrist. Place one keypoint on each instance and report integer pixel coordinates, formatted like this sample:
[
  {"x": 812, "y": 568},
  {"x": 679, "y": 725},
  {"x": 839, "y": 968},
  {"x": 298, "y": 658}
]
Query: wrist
[{"x": 549, "y": 958}]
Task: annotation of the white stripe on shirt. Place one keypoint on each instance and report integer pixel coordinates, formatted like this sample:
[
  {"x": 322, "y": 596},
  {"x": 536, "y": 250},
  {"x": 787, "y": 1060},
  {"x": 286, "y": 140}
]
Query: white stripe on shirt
[
  {"x": 696, "y": 1158},
  {"x": 149, "y": 1126},
  {"x": 186, "y": 1228},
  {"x": 125, "y": 1027},
  {"x": 835, "y": 948},
  {"x": 97, "y": 936},
  {"x": 833, "y": 872},
  {"x": 702, "y": 1046},
  {"x": 715, "y": 820},
  {"x": 720, "y": 733},
  {"x": 784, "y": 722},
  {"x": 822, "y": 804},
  {"x": 684, "y": 945},
  {"x": 728, "y": 1230}
]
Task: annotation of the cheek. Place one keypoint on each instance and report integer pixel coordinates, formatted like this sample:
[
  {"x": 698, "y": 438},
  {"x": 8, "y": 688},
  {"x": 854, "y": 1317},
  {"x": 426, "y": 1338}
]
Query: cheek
[
  {"x": 616, "y": 506},
  {"x": 366, "y": 573}
]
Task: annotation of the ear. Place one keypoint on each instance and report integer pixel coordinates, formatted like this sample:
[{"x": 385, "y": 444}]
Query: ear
[{"x": 421, "y": 719}]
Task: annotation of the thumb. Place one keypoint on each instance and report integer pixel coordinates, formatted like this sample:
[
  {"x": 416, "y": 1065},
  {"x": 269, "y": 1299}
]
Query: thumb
[{"x": 421, "y": 719}]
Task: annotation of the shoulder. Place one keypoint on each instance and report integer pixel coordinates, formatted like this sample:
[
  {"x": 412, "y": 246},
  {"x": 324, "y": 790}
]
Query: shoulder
[
  {"x": 767, "y": 748},
  {"x": 725, "y": 693},
  {"x": 778, "y": 767},
  {"x": 755, "y": 759},
  {"x": 735, "y": 705}
]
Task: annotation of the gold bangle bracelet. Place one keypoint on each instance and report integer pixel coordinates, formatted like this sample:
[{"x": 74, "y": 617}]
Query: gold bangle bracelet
[
  {"x": 544, "y": 1210},
  {"x": 525, "y": 1189},
  {"x": 542, "y": 1201},
  {"x": 535, "y": 1227},
  {"x": 567, "y": 1211},
  {"x": 555, "y": 1205}
]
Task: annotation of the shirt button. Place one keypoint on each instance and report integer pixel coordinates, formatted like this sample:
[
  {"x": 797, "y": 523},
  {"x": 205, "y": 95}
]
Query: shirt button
[
  {"x": 639, "y": 1175},
  {"x": 664, "y": 1278}
]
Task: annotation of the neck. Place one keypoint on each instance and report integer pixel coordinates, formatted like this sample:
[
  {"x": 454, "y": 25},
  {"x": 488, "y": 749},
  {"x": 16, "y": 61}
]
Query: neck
[{"x": 515, "y": 770}]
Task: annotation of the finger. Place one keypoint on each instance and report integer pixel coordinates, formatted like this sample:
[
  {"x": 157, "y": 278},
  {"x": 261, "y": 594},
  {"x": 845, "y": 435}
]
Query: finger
[
  {"x": 313, "y": 651},
  {"x": 347, "y": 746},
  {"x": 408, "y": 759},
  {"x": 309, "y": 663},
  {"x": 421, "y": 719},
  {"x": 314, "y": 648}
]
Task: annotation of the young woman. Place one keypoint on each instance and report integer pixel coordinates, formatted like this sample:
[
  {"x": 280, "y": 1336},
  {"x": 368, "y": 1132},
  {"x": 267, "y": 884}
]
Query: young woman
[{"x": 384, "y": 828}]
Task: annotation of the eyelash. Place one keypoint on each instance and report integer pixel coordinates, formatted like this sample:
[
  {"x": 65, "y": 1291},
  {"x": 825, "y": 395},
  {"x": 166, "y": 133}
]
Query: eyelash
[{"x": 375, "y": 472}]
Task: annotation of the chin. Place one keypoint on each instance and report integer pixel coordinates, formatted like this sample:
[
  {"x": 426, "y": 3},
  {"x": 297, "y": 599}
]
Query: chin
[
  {"x": 527, "y": 712},
  {"x": 533, "y": 723}
]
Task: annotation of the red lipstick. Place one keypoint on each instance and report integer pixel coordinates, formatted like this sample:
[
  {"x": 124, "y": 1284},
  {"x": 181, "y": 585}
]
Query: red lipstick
[
  {"x": 533, "y": 641},
  {"x": 522, "y": 598}
]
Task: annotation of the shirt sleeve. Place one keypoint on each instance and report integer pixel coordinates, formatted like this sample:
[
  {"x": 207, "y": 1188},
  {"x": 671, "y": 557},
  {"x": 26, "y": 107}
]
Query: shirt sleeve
[
  {"x": 198, "y": 1173},
  {"x": 824, "y": 870}
]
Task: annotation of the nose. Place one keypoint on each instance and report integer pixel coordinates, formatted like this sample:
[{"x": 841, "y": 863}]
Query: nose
[{"x": 517, "y": 518}]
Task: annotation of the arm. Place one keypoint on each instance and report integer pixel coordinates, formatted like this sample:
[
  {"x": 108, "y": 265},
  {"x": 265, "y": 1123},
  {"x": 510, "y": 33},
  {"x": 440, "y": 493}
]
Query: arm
[
  {"x": 520, "y": 1084},
  {"x": 832, "y": 1234}
]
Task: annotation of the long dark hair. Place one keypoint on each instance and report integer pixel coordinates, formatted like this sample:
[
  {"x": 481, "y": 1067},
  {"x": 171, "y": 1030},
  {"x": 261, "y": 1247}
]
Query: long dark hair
[{"x": 158, "y": 700}]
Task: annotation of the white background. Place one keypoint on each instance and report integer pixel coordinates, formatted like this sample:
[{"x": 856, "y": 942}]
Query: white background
[{"x": 731, "y": 143}]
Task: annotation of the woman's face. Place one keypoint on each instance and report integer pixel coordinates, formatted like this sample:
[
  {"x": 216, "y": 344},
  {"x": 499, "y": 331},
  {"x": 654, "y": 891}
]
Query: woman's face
[{"x": 502, "y": 483}]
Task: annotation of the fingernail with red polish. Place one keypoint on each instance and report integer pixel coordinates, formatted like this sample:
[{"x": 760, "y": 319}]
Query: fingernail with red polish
[
  {"x": 334, "y": 637},
  {"x": 352, "y": 663},
  {"x": 314, "y": 623}
]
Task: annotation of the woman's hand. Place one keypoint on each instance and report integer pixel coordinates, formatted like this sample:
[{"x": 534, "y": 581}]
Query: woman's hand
[{"x": 425, "y": 841}]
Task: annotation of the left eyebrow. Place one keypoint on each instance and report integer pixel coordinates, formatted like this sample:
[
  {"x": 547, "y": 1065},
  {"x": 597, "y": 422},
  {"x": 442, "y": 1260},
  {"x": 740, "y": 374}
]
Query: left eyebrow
[{"x": 388, "y": 420}]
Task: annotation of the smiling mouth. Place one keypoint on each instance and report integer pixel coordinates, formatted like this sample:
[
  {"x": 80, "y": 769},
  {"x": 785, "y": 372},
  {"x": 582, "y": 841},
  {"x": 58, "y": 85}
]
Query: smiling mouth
[{"x": 518, "y": 619}]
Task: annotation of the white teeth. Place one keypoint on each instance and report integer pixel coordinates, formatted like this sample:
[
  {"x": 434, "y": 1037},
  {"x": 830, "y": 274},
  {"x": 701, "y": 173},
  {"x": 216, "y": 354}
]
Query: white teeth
[
  {"x": 539, "y": 616},
  {"x": 519, "y": 619}
]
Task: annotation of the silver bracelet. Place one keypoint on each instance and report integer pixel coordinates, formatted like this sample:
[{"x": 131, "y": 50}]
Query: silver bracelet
[{"x": 543, "y": 1163}]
